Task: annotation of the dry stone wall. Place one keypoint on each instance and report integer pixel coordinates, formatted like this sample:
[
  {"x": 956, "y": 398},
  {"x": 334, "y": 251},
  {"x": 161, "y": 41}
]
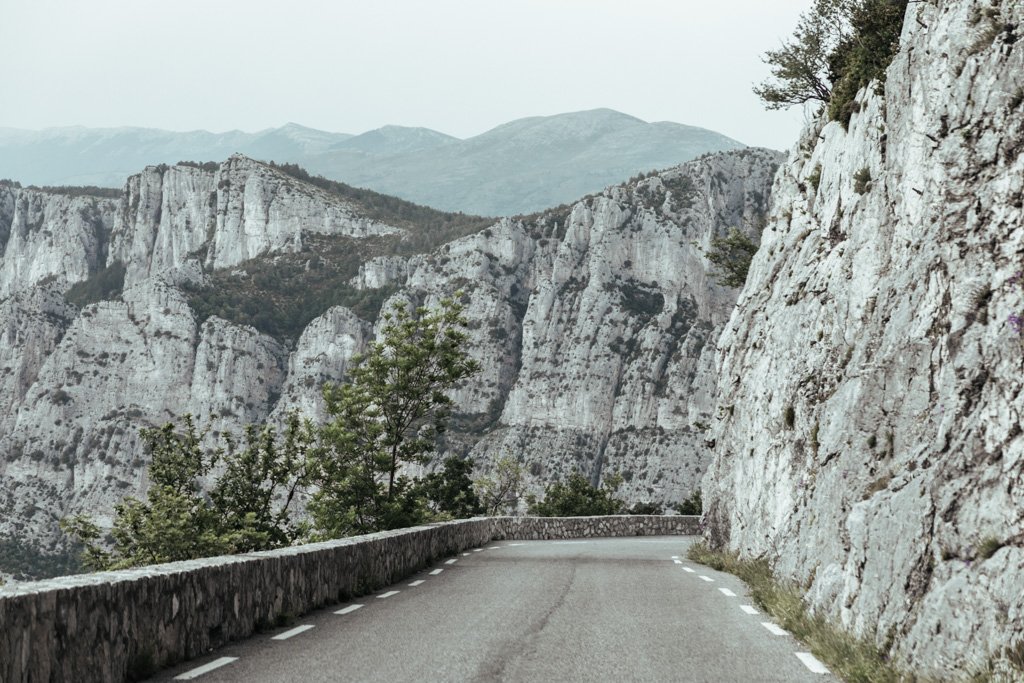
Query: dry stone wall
[{"x": 107, "y": 625}]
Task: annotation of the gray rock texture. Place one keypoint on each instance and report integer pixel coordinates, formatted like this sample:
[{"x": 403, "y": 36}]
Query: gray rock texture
[
  {"x": 103, "y": 626},
  {"x": 868, "y": 439}
]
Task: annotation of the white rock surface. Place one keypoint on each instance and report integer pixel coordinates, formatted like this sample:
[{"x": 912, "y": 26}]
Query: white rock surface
[{"x": 870, "y": 384}]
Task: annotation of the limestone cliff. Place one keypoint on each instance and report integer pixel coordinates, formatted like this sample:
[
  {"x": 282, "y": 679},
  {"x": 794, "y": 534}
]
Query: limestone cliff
[{"x": 868, "y": 438}]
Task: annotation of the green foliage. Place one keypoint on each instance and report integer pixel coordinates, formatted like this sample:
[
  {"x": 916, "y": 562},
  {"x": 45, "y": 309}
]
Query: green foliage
[
  {"x": 104, "y": 285},
  {"x": 449, "y": 492},
  {"x": 576, "y": 497},
  {"x": 692, "y": 505},
  {"x": 731, "y": 255},
  {"x": 26, "y": 561},
  {"x": 499, "y": 494},
  {"x": 387, "y": 417},
  {"x": 863, "y": 56},
  {"x": 210, "y": 166},
  {"x": 989, "y": 547},
  {"x": 815, "y": 177},
  {"x": 80, "y": 190},
  {"x": 838, "y": 47},
  {"x": 849, "y": 657},
  {"x": 789, "y": 416},
  {"x": 249, "y": 507}
]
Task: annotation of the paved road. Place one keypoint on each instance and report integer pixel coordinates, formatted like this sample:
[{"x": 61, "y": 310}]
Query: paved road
[{"x": 625, "y": 609}]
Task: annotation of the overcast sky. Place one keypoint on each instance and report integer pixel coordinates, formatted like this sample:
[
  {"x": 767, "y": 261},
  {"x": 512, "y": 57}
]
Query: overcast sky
[{"x": 457, "y": 66}]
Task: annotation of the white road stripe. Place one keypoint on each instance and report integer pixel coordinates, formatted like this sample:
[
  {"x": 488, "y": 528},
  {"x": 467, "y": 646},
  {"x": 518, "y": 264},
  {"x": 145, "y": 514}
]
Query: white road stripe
[
  {"x": 293, "y": 632},
  {"x": 476, "y": 550},
  {"x": 727, "y": 593},
  {"x": 513, "y": 545},
  {"x": 388, "y": 594},
  {"x": 677, "y": 561},
  {"x": 776, "y": 630},
  {"x": 674, "y": 557},
  {"x": 812, "y": 663},
  {"x": 205, "y": 668},
  {"x": 451, "y": 561},
  {"x": 706, "y": 578},
  {"x": 348, "y": 610},
  {"x": 687, "y": 569},
  {"x": 416, "y": 583},
  {"x": 465, "y": 554},
  {"x": 495, "y": 547},
  {"x": 748, "y": 609},
  {"x": 436, "y": 571}
]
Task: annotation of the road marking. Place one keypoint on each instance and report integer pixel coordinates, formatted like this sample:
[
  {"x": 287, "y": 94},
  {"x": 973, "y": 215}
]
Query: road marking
[
  {"x": 495, "y": 547},
  {"x": 727, "y": 593},
  {"x": 451, "y": 561},
  {"x": 293, "y": 632},
  {"x": 436, "y": 572},
  {"x": 476, "y": 550},
  {"x": 348, "y": 610},
  {"x": 748, "y": 609},
  {"x": 416, "y": 583},
  {"x": 205, "y": 668},
  {"x": 675, "y": 557},
  {"x": 687, "y": 569},
  {"x": 387, "y": 595},
  {"x": 776, "y": 630},
  {"x": 706, "y": 578},
  {"x": 513, "y": 545},
  {"x": 812, "y": 663},
  {"x": 465, "y": 554},
  {"x": 677, "y": 561}
]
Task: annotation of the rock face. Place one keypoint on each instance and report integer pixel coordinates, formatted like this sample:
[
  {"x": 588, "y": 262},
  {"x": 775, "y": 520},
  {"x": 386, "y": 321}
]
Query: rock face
[
  {"x": 48, "y": 236},
  {"x": 594, "y": 324},
  {"x": 869, "y": 438}
]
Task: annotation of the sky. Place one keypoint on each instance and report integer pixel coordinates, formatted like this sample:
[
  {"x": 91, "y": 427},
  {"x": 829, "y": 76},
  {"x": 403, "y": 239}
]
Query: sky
[{"x": 457, "y": 66}]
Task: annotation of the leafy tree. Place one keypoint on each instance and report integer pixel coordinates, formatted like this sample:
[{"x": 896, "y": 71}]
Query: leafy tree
[
  {"x": 690, "y": 506},
  {"x": 449, "y": 492},
  {"x": 249, "y": 507},
  {"x": 388, "y": 416},
  {"x": 576, "y": 497},
  {"x": 731, "y": 255},
  {"x": 838, "y": 47},
  {"x": 801, "y": 67},
  {"x": 500, "y": 493}
]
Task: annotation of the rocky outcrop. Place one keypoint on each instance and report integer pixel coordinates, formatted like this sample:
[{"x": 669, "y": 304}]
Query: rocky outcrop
[
  {"x": 50, "y": 237},
  {"x": 869, "y": 439}
]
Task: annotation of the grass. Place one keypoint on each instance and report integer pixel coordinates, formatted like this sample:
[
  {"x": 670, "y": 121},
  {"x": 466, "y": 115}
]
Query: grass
[{"x": 849, "y": 657}]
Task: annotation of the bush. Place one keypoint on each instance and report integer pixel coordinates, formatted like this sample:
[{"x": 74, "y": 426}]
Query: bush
[
  {"x": 692, "y": 505},
  {"x": 731, "y": 255},
  {"x": 577, "y": 498},
  {"x": 862, "y": 181},
  {"x": 103, "y": 285}
]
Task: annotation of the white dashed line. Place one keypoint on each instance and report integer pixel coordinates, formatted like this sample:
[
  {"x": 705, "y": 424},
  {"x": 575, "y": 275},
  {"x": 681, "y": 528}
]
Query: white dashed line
[
  {"x": 748, "y": 609},
  {"x": 387, "y": 595},
  {"x": 495, "y": 547},
  {"x": 205, "y": 668},
  {"x": 465, "y": 554},
  {"x": 706, "y": 578},
  {"x": 293, "y": 632},
  {"x": 776, "y": 630},
  {"x": 727, "y": 593},
  {"x": 513, "y": 545},
  {"x": 674, "y": 557},
  {"x": 436, "y": 571},
  {"x": 688, "y": 570},
  {"x": 451, "y": 561},
  {"x": 476, "y": 550},
  {"x": 416, "y": 583},
  {"x": 677, "y": 561},
  {"x": 348, "y": 610},
  {"x": 812, "y": 663}
]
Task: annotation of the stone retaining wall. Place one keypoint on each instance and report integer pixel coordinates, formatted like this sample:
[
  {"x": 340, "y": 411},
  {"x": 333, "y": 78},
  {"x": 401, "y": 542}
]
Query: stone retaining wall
[{"x": 112, "y": 626}]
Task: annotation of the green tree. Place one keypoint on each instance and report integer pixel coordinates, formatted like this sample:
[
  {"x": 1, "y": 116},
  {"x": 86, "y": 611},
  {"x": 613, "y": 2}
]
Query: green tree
[
  {"x": 449, "y": 492},
  {"x": 387, "y": 417},
  {"x": 576, "y": 497},
  {"x": 731, "y": 255},
  {"x": 248, "y": 508},
  {"x": 500, "y": 492}
]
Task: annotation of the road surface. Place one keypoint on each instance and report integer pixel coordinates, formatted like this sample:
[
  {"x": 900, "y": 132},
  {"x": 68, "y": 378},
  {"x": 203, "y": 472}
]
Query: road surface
[{"x": 616, "y": 609}]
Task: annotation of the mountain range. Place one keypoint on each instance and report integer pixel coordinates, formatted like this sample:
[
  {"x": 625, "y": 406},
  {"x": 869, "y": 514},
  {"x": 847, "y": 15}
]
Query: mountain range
[{"x": 519, "y": 167}]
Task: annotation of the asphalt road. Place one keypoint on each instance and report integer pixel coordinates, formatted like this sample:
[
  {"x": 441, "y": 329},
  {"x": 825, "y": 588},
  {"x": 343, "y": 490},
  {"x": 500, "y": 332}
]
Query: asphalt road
[{"x": 623, "y": 609}]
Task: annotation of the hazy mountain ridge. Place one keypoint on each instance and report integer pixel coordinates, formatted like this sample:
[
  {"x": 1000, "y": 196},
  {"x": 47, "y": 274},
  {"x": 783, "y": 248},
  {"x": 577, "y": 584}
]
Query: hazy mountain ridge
[{"x": 519, "y": 167}]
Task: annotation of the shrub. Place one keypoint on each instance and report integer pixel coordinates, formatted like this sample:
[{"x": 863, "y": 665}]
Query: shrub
[
  {"x": 731, "y": 255},
  {"x": 989, "y": 547},
  {"x": 862, "y": 180},
  {"x": 577, "y": 498},
  {"x": 692, "y": 505},
  {"x": 103, "y": 285},
  {"x": 815, "y": 177},
  {"x": 789, "y": 416}
]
